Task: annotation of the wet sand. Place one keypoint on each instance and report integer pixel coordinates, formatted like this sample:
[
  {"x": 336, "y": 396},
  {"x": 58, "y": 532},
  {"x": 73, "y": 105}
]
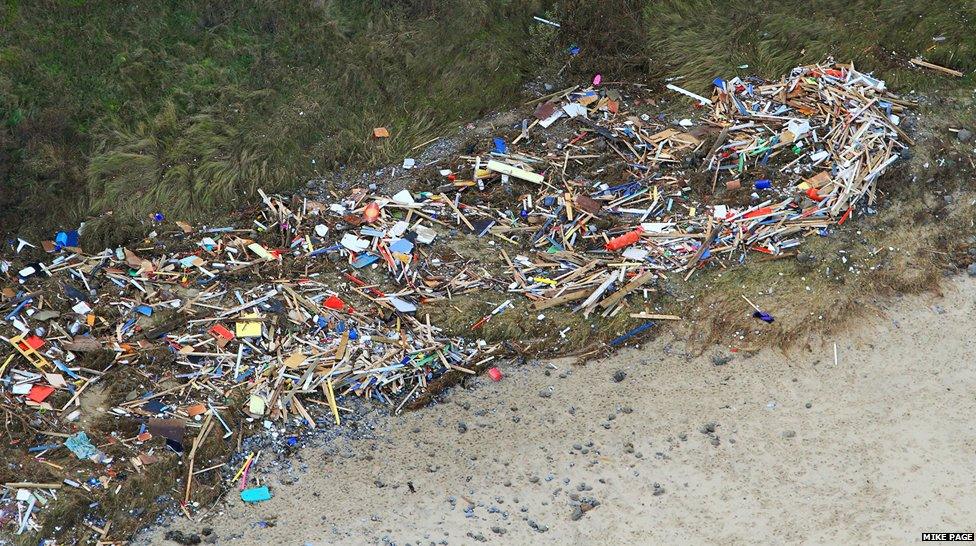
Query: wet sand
[{"x": 878, "y": 447}]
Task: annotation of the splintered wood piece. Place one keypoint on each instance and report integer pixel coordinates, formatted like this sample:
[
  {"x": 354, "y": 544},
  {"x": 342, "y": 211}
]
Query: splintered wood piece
[
  {"x": 918, "y": 61},
  {"x": 634, "y": 284}
]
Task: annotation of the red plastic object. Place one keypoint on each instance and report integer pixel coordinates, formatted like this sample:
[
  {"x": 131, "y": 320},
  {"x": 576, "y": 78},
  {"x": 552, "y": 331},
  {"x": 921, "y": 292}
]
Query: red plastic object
[
  {"x": 495, "y": 374},
  {"x": 219, "y": 330},
  {"x": 625, "y": 240},
  {"x": 372, "y": 212},
  {"x": 812, "y": 194},
  {"x": 758, "y": 212},
  {"x": 39, "y": 393},
  {"x": 334, "y": 303},
  {"x": 33, "y": 342},
  {"x": 845, "y": 216}
]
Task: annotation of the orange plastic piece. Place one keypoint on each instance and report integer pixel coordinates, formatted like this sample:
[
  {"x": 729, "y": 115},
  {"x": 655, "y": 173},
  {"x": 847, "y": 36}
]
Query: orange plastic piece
[
  {"x": 372, "y": 213},
  {"x": 625, "y": 240}
]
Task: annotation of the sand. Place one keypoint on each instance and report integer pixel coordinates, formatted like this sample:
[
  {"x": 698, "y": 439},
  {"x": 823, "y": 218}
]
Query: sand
[{"x": 877, "y": 447}]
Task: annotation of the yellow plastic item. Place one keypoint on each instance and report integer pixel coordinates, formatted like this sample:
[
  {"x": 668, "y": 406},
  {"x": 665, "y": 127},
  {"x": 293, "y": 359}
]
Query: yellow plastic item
[
  {"x": 247, "y": 328},
  {"x": 30, "y": 354}
]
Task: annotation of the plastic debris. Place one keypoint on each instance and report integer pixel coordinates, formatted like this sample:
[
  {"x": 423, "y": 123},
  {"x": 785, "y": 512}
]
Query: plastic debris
[
  {"x": 275, "y": 321},
  {"x": 81, "y": 446},
  {"x": 256, "y": 494}
]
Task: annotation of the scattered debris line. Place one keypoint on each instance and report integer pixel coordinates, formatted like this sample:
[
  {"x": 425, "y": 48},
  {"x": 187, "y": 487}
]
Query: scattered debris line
[{"x": 315, "y": 303}]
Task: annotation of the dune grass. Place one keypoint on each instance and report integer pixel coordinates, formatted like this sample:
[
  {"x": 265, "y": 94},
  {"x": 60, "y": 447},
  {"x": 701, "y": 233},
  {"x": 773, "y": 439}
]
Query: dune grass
[
  {"x": 110, "y": 111},
  {"x": 187, "y": 107},
  {"x": 772, "y": 37}
]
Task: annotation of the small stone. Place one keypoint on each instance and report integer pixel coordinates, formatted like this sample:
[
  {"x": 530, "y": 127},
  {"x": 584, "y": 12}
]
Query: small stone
[
  {"x": 658, "y": 490},
  {"x": 808, "y": 405},
  {"x": 462, "y": 427},
  {"x": 789, "y": 433},
  {"x": 964, "y": 135},
  {"x": 179, "y": 537},
  {"x": 721, "y": 360},
  {"x": 708, "y": 428},
  {"x": 498, "y": 530},
  {"x": 577, "y": 514},
  {"x": 619, "y": 376},
  {"x": 545, "y": 393},
  {"x": 972, "y": 269},
  {"x": 715, "y": 441}
]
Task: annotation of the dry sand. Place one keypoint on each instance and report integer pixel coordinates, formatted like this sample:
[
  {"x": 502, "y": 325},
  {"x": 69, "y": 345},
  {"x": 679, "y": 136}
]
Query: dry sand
[{"x": 877, "y": 447}]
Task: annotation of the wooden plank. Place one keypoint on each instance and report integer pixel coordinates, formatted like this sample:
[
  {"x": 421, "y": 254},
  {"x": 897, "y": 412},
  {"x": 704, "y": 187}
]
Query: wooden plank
[
  {"x": 559, "y": 300},
  {"x": 634, "y": 284},
  {"x": 918, "y": 61}
]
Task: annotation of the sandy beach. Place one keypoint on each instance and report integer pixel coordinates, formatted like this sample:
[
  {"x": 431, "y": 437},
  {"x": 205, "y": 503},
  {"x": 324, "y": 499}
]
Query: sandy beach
[{"x": 654, "y": 445}]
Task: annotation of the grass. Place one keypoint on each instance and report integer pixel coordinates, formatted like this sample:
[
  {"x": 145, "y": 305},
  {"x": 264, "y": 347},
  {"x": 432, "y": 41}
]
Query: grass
[
  {"x": 699, "y": 40},
  {"x": 188, "y": 107},
  {"x": 110, "y": 111}
]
